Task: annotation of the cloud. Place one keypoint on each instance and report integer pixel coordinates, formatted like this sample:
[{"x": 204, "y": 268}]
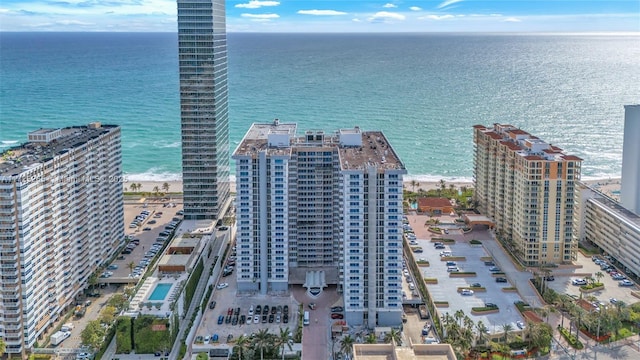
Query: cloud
[
  {"x": 415, "y": 8},
  {"x": 73, "y": 22},
  {"x": 261, "y": 16},
  {"x": 437, "y": 17},
  {"x": 321, "y": 12},
  {"x": 356, "y": 20},
  {"x": 389, "y": 5},
  {"x": 447, "y": 3},
  {"x": 385, "y": 15},
  {"x": 256, "y": 4},
  {"x": 512, "y": 19}
]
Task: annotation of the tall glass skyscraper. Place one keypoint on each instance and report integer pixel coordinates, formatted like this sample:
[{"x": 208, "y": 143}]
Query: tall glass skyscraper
[{"x": 202, "y": 49}]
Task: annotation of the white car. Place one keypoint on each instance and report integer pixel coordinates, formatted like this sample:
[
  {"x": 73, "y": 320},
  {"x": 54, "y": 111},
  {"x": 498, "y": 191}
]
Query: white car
[
  {"x": 466, "y": 292},
  {"x": 625, "y": 283},
  {"x": 222, "y": 286},
  {"x": 579, "y": 282},
  {"x": 520, "y": 324},
  {"x": 256, "y": 319}
]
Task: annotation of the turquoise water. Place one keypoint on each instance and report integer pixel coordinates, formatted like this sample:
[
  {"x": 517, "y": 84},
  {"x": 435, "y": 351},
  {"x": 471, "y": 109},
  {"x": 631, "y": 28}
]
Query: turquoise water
[
  {"x": 160, "y": 292},
  {"x": 424, "y": 91}
]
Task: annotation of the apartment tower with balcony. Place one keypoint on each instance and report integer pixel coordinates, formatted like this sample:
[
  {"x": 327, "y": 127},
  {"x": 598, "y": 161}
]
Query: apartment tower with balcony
[
  {"x": 318, "y": 210},
  {"x": 202, "y": 57},
  {"x": 527, "y": 186},
  {"x": 61, "y": 217}
]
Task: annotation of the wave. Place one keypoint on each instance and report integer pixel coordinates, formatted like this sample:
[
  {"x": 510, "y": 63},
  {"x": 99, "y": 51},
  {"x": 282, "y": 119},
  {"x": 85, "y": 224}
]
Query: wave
[
  {"x": 175, "y": 144},
  {"x": 8, "y": 143},
  {"x": 436, "y": 178},
  {"x": 153, "y": 175}
]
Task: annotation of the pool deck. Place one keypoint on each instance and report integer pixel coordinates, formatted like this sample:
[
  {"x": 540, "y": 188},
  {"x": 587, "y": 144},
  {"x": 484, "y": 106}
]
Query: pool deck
[{"x": 139, "y": 303}]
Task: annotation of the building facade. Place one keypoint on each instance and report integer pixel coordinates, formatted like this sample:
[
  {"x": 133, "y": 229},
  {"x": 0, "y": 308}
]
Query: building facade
[
  {"x": 321, "y": 209},
  {"x": 607, "y": 224},
  {"x": 527, "y": 187},
  {"x": 629, "y": 190},
  {"x": 202, "y": 56},
  {"x": 61, "y": 217}
]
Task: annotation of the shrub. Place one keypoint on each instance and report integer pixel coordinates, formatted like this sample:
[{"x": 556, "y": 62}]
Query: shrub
[
  {"x": 483, "y": 308},
  {"x": 570, "y": 338},
  {"x": 475, "y": 242},
  {"x": 123, "y": 335}
]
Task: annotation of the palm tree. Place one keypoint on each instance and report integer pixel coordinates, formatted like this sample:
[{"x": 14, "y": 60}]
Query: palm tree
[
  {"x": 242, "y": 342},
  {"x": 599, "y": 275},
  {"x": 262, "y": 340},
  {"x": 414, "y": 184},
  {"x": 393, "y": 336},
  {"x": 482, "y": 329},
  {"x": 3, "y": 346},
  {"x": 165, "y": 187},
  {"x": 131, "y": 266},
  {"x": 506, "y": 328},
  {"x": 346, "y": 345},
  {"x": 459, "y": 315},
  {"x": 126, "y": 189},
  {"x": 139, "y": 186},
  {"x": 371, "y": 339},
  {"x": 590, "y": 279},
  {"x": 156, "y": 190},
  {"x": 284, "y": 339},
  {"x": 133, "y": 187}
]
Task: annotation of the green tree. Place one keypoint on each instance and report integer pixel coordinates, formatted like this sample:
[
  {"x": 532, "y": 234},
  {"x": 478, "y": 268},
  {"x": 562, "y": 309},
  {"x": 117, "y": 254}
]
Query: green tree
[
  {"x": 3, "y": 346},
  {"x": 242, "y": 343},
  {"x": 284, "y": 339},
  {"x": 506, "y": 329},
  {"x": 346, "y": 345},
  {"x": 414, "y": 184},
  {"x": 262, "y": 341},
  {"x": 93, "y": 334},
  {"x": 394, "y": 336},
  {"x": 131, "y": 266},
  {"x": 156, "y": 190},
  {"x": 165, "y": 187},
  {"x": 371, "y": 339},
  {"x": 138, "y": 186},
  {"x": 482, "y": 330},
  {"x": 599, "y": 276},
  {"x": 108, "y": 314}
]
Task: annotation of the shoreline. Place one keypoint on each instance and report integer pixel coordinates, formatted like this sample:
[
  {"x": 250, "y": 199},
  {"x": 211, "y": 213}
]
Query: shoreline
[{"x": 610, "y": 186}]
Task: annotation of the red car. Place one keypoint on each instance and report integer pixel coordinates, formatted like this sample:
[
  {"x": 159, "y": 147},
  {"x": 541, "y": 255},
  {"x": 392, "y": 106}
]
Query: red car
[
  {"x": 230, "y": 311},
  {"x": 337, "y": 316}
]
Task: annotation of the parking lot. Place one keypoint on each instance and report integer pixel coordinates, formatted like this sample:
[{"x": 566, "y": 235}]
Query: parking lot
[
  {"x": 235, "y": 315},
  {"x": 585, "y": 268},
  {"x": 158, "y": 218},
  {"x": 466, "y": 258}
]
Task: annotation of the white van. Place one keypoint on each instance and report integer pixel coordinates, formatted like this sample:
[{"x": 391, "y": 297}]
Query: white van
[{"x": 306, "y": 318}]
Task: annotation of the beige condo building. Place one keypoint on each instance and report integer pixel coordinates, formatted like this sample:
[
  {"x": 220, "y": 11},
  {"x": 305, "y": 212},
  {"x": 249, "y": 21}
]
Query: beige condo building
[
  {"x": 527, "y": 187},
  {"x": 61, "y": 217}
]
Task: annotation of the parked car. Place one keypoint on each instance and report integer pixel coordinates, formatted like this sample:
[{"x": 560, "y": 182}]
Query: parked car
[
  {"x": 578, "y": 282},
  {"x": 490, "y": 305},
  {"x": 520, "y": 324},
  {"x": 494, "y": 269},
  {"x": 625, "y": 283},
  {"x": 476, "y": 285},
  {"x": 337, "y": 316},
  {"x": 212, "y": 304},
  {"x": 466, "y": 292},
  {"x": 501, "y": 280},
  {"x": 334, "y": 309},
  {"x": 220, "y": 319}
]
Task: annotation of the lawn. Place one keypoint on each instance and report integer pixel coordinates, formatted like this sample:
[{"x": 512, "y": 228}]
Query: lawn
[{"x": 151, "y": 334}]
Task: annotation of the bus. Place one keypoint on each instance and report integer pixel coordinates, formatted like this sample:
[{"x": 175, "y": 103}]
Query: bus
[{"x": 306, "y": 318}]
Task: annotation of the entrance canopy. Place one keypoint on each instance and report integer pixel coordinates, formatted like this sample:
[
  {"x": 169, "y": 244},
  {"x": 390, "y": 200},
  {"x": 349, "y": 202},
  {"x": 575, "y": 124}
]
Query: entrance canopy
[{"x": 314, "y": 283}]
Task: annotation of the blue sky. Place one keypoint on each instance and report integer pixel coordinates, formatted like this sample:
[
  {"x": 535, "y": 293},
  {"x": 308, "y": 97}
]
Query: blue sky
[{"x": 331, "y": 15}]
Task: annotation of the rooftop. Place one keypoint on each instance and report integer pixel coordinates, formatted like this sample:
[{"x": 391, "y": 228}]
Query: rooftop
[
  {"x": 616, "y": 208},
  {"x": 357, "y": 149},
  {"x": 524, "y": 144},
  {"x": 23, "y": 157}
]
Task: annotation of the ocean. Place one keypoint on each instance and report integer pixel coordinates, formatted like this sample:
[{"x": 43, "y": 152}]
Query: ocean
[{"x": 424, "y": 91}]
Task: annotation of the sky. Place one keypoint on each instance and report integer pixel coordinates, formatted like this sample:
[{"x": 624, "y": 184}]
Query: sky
[{"x": 331, "y": 15}]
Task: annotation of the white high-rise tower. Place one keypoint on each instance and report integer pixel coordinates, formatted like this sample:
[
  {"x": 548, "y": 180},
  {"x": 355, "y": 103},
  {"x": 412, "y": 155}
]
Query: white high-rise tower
[{"x": 630, "y": 189}]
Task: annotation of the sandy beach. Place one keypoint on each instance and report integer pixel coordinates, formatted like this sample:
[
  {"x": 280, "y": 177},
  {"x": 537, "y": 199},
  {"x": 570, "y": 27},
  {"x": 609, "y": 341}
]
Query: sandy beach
[{"x": 610, "y": 187}]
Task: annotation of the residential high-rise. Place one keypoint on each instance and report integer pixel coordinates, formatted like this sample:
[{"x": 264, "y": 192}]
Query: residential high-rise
[
  {"x": 630, "y": 190},
  {"x": 202, "y": 57},
  {"x": 527, "y": 186},
  {"x": 318, "y": 210},
  {"x": 61, "y": 217}
]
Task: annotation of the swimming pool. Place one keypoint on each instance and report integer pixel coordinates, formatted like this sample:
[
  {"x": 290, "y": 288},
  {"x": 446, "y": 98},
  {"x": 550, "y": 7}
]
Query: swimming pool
[{"x": 160, "y": 292}]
